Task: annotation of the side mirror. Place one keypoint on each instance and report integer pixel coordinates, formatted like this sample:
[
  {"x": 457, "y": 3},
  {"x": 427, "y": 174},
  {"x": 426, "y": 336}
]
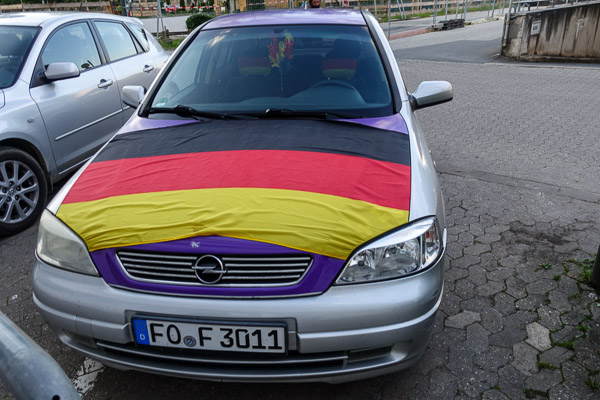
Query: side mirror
[
  {"x": 133, "y": 95},
  {"x": 61, "y": 70},
  {"x": 430, "y": 93}
]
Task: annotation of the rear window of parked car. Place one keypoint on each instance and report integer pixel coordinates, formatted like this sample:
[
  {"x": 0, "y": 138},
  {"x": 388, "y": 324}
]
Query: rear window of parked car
[
  {"x": 140, "y": 34},
  {"x": 118, "y": 41}
]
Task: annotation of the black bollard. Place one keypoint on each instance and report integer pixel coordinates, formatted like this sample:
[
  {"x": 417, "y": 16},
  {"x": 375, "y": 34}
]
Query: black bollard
[{"x": 596, "y": 270}]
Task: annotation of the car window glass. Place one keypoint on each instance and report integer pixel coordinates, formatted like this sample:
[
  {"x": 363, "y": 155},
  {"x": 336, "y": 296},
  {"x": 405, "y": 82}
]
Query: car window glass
[
  {"x": 14, "y": 43},
  {"x": 333, "y": 68},
  {"x": 140, "y": 34},
  {"x": 119, "y": 43},
  {"x": 182, "y": 80},
  {"x": 72, "y": 43}
]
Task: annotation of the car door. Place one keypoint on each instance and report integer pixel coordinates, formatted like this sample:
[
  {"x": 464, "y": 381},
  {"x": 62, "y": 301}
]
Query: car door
[
  {"x": 131, "y": 63},
  {"x": 80, "y": 113}
]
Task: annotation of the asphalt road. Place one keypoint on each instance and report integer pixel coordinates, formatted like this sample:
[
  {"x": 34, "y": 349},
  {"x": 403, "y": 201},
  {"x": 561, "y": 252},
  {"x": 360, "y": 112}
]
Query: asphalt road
[
  {"x": 473, "y": 44},
  {"x": 516, "y": 152}
]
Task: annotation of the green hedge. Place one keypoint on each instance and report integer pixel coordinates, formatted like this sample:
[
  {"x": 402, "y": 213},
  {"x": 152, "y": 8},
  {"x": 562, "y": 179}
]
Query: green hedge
[{"x": 196, "y": 20}]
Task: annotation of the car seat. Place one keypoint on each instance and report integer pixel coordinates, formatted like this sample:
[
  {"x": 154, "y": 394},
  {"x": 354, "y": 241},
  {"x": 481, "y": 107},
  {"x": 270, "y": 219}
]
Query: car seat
[
  {"x": 341, "y": 62},
  {"x": 11, "y": 45},
  {"x": 255, "y": 77}
]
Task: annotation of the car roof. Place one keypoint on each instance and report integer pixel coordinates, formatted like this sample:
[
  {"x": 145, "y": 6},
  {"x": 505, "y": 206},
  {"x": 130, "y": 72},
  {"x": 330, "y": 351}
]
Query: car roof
[
  {"x": 43, "y": 18},
  {"x": 288, "y": 17}
]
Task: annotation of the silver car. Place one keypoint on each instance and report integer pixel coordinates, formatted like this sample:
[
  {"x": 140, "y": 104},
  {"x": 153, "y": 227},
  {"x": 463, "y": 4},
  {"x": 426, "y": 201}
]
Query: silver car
[
  {"x": 60, "y": 80},
  {"x": 271, "y": 212}
]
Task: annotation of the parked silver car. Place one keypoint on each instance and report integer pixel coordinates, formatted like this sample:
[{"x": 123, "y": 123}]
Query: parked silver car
[
  {"x": 60, "y": 80},
  {"x": 271, "y": 212}
]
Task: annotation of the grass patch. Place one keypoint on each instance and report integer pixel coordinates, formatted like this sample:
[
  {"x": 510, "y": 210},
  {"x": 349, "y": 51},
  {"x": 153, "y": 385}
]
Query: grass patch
[
  {"x": 567, "y": 344},
  {"x": 583, "y": 328},
  {"x": 532, "y": 393},
  {"x": 585, "y": 270},
  {"x": 556, "y": 277},
  {"x": 545, "y": 365},
  {"x": 592, "y": 384},
  {"x": 170, "y": 44},
  {"x": 546, "y": 265},
  {"x": 575, "y": 296}
]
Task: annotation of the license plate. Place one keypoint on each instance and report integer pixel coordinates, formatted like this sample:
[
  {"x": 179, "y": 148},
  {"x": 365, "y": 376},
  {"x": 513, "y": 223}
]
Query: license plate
[{"x": 210, "y": 336}]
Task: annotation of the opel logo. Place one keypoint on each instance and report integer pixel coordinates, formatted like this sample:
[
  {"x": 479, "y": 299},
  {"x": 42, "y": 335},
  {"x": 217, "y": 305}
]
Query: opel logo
[{"x": 209, "y": 269}]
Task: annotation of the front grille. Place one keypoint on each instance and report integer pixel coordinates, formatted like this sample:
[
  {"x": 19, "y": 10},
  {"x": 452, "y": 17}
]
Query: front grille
[{"x": 240, "y": 271}]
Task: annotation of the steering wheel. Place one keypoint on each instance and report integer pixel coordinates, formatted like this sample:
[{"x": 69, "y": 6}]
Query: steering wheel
[{"x": 333, "y": 82}]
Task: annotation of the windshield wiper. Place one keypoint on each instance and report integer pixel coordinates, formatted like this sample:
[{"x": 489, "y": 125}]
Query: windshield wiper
[
  {"x": 329, "y": 115},
  {"x": 187, "y": 111}
]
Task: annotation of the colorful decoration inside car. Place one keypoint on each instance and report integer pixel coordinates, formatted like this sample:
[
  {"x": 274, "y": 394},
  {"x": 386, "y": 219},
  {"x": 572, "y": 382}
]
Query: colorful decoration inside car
[{"x": 281, "y": 49}]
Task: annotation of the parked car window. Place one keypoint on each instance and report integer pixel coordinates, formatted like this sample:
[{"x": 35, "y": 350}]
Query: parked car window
[
  {"x": 72, "y": 43},
  {"x": 182, "y": 79},
  {"x": 298, "y": 68},
  {"x": 119, "y": 43},
  {"x": 14, "y": 44},
  {"x": 140, "y": 34}
]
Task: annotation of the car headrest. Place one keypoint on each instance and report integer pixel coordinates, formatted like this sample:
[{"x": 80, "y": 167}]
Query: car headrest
[
  {"x": 10, "y": 44},
  {"x": 253, "y": 65},
  {"x": 339, "y": 68}
]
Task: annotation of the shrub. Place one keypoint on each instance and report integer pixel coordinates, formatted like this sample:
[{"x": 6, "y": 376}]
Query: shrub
[{"x": 196, "y": 20}]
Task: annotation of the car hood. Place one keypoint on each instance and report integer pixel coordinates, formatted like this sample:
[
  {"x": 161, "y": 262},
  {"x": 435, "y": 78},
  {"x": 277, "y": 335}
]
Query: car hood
[{"x": 320, "y": 186}]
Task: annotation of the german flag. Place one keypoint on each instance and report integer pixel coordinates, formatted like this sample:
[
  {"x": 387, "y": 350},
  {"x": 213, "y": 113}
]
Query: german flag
[{"x": 324, "y": 187}]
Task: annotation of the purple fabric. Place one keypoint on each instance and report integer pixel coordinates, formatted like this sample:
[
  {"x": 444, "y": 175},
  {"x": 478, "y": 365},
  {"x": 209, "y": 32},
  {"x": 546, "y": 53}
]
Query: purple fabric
[
  {"x": 288, "y": 17},
  {"x": 391, "y": 123},
  {"x": 318, "y": 279}
]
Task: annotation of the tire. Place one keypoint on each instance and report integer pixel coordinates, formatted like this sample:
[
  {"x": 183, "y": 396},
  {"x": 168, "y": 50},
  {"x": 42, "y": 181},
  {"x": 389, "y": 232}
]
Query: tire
[{"x": 23, "y": 190}]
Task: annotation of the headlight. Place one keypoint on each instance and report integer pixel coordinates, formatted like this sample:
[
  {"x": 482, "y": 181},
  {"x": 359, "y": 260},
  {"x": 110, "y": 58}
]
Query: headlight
[
  {"x": 403, "y": 252},
  {"x": 60, "y": 247}
]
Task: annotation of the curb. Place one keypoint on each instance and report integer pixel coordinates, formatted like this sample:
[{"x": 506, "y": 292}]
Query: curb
[{"x": 412, "y": 32}]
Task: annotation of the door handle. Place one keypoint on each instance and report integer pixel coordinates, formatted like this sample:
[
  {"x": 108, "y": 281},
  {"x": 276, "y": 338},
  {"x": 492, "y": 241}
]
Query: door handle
[
  {"x": 148, "y": 68},
  {"x": 105, "y": 83}
]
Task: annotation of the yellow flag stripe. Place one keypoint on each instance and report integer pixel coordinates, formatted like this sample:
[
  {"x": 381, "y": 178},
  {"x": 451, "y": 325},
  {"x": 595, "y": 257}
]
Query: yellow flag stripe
[{"x": 313, "y": 222}]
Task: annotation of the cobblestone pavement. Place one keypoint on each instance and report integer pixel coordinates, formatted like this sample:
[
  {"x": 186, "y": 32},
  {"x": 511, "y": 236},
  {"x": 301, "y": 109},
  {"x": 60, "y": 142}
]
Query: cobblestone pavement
[{"x": 517, "y": 155}]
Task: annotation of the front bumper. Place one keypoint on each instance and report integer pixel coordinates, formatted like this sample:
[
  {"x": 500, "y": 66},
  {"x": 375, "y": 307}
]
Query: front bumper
[{"x": 347, "y": 333}]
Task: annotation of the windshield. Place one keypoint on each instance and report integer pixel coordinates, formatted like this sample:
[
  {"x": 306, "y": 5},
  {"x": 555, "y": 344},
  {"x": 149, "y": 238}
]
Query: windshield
[
  {"x": 284, "y": 69},
  {"x": 14, "y": 44}
]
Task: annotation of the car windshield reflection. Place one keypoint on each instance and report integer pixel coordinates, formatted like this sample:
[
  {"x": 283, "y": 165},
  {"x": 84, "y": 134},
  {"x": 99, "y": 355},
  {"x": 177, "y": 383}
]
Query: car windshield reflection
[{"x": 332, "y": 69}]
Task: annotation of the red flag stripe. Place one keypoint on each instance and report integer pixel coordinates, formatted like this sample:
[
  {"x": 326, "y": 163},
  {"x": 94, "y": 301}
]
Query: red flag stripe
[{"x": 378, "y": 182}]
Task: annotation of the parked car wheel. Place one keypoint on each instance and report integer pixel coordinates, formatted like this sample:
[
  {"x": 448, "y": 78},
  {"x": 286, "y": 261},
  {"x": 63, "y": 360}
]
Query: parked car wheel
[{"x": 23, "y": 190}]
